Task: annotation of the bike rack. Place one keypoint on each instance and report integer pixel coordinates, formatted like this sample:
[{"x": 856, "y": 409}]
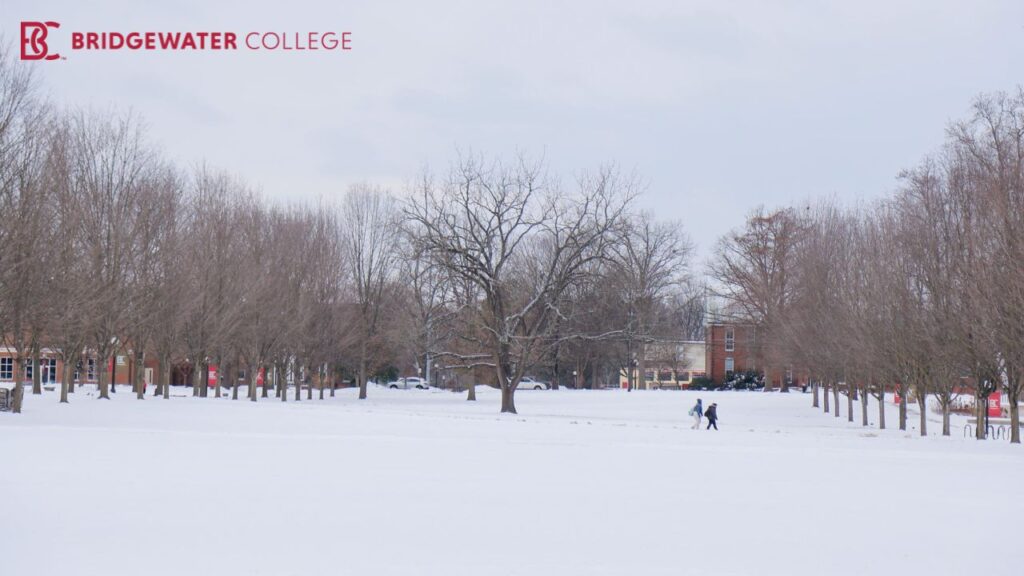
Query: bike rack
[{"x": 992, "y": 432}]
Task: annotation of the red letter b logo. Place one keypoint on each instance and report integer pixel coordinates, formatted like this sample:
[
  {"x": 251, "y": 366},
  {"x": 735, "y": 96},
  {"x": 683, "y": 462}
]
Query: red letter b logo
[{"x": 33, "y": 40}]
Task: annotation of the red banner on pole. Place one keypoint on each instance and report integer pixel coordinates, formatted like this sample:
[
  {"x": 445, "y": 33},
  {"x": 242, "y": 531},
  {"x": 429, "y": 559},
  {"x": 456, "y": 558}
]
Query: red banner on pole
[{"x": 995, "y": 404}]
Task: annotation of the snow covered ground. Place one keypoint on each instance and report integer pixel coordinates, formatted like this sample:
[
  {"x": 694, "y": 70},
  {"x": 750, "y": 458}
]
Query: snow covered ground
[{"x": 423, "y": 482}]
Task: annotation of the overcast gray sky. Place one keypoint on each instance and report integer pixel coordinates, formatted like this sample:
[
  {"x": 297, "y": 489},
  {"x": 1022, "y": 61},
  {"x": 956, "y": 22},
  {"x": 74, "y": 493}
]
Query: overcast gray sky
[{"x": 720, "y": 106}]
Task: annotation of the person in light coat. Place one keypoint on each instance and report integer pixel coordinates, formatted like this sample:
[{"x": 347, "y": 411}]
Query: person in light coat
[{"x": 697, "y": 412}]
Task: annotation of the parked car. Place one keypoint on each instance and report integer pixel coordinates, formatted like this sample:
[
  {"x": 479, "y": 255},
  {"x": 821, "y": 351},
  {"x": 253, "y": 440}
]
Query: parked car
[
  {"x": 409, "y": 383},
  {"x": 531, "y": 384}
]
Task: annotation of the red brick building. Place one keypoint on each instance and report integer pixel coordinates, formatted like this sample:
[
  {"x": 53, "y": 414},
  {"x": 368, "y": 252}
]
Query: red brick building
[
  {"x": 730, "y": 349},
  {"x": 51, "y": 367},
  {"x": 735, "y": 348}
]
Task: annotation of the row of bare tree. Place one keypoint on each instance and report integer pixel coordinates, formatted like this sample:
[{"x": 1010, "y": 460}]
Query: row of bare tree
[
  {"x": 493, "y": 267},
  {"x": 921, "y": 293}
]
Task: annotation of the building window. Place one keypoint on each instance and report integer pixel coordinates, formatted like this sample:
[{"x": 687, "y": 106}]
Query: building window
[
  {"x": 730, "y": 340},
  {"x": 28, "y": 370},
  {"x": 49, "y": 370},
  {"x": 90, "y": 373},
  {"x": 730, "y": 365},
  {"x": 6, "y": 368}
]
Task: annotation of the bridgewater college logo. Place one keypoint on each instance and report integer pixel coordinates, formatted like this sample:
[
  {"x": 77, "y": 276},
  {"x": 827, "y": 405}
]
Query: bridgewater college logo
[{"x": 33, "y": 41}]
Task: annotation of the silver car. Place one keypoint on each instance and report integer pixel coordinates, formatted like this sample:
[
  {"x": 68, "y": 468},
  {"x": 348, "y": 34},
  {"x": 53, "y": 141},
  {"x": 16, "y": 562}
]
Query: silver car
[
  {"x": 409, "y": 383},
  {"x": 531, "y": 384}
]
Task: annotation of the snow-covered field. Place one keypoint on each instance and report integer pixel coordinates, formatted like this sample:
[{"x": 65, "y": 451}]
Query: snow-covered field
[{"x": 423, "y": 482}]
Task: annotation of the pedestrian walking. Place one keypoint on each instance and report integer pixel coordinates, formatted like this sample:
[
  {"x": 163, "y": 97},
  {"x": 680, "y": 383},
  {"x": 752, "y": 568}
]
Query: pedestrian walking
[
  {"x": 697, "y": 412},
  {"x": 712, "y": 416}
]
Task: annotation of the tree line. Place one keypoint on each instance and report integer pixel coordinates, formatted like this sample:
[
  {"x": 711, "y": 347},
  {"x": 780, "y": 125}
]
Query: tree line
[
  {"x": 920, "y": 293},
  {"x": 494, "y": 267}
]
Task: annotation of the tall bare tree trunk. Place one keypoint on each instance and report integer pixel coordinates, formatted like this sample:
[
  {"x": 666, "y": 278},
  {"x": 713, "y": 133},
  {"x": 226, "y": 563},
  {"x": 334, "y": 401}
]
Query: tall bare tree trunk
[
  {"x": 922, "y": 404},
  {"x": 1015, "y": 419},
  {"x": 18, "y": 393},
  {"x": 945, "y": 418},
  {"x": 67, "y": 374},
  {"x": 825, "y": 394},
  {"x": 508, "y": 404},
  {"x": 814, "y": 392},
  {"x": 103, "y": 377},
  {"x": 881, "y": 408},
  {"x": 864, "y": 396},
  {"x": 903, "y": 406},
  {"x": 835, "y": 398},
  {"x": 641, "y": 367},
  {"x": 204, "y": 381},
  {"x": 253, "y": 375},
  {"x": 165, "y": 376},
  {"x": 281, "y": 376},
  {"x": 158, "y": 388},
  {"x": 195, "y": 377},
  {"x": 296, "y": 373},
  {"x": 980, "y": 410},
  {"x": 1013, "y": 384},
  {"x": 234, "y": 383},
  {"x": 137, "y": 380},
  {"x": 362, "y": 370},
  {"x": 471, "y": 396},
  {"x": 278, "y": 388},
  {"x": 849, "y": 402},
  {"x": 221, "y": 366},
  {"x": 37, "y": 377}
]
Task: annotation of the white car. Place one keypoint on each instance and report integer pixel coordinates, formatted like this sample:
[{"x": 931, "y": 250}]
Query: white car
[
  {"x": 409, "y": 383},
  {"x": 531, "y": 384}
]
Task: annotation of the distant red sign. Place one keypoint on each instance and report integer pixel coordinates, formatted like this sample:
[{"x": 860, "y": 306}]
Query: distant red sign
[
  {"x": 213, "y": 374},
  {"x": 995, "y": 406}
]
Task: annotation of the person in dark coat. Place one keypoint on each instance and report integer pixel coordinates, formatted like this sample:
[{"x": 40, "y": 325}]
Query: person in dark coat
[{"x": 712, "y": 415}]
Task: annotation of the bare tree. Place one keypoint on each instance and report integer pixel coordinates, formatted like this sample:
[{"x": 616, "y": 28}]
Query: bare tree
[
  {"x": 24, "y": 127},
  {"x": 650, "y": 260},
  {"x": 752, "y": 272},
  {"x": 370, "y": 233},
  {"x": 509, "y": 230},
  {"x": 113, "y": 161},
  {"x": 66, "y": 317}
]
